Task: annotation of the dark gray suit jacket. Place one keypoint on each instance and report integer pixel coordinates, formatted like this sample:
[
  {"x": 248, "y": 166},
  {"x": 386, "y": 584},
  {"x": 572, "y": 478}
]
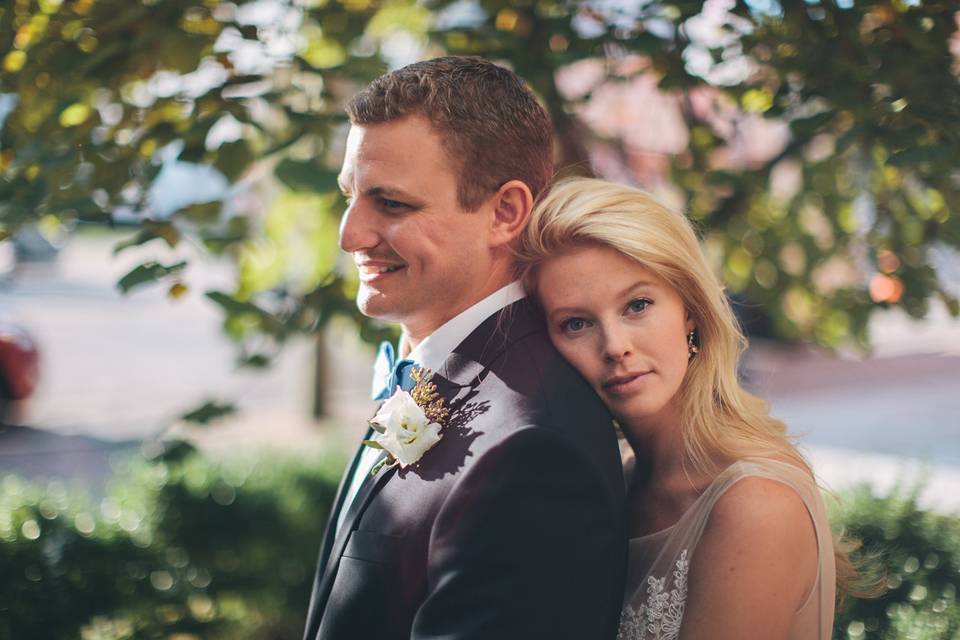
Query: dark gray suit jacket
[{"x": 512, "y": 526}]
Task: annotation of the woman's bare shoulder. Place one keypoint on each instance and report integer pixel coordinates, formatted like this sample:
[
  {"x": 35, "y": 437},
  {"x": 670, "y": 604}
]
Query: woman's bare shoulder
[{"x": 755, "y": 564}]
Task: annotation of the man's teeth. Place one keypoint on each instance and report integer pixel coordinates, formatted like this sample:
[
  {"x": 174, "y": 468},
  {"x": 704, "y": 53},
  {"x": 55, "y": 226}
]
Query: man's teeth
[{"x": 381, "y": 269}]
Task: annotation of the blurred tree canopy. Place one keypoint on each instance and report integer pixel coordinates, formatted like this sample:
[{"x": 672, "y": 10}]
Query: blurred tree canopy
[{"x": 815, "y": 143}]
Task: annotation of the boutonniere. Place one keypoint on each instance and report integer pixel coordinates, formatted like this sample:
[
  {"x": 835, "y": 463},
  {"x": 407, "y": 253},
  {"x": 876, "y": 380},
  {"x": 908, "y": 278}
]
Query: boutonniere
[{"x": 408, "y": 424}]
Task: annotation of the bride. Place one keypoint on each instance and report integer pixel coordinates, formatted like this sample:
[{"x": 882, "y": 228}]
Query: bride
[{"x": 728, "y": 535}]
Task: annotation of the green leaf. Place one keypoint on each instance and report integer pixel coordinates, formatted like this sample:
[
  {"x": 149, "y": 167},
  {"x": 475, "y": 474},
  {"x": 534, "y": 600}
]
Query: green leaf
[
  {"x": 151, "y": 231},
  {"x": 233, "y": 158},
  {"x": 917, "y": 155},
  {"x": 376, "y": 427},
  {"x": 148, "y": 273},
  {"x": 233, "y": 306},
  {"x": 192, "y": 153},
  {"x": 306, "y": 176},
  {"x": 256, "y": 361},
  {"x": 169, "y": 451},
  {"x": 209, "y": 412},
  {"x": 202, "y": 212},
  {"x": 373, "y": 444},
  {"x": 807, "y": 127},
  {"x": 379, "y": 465}
]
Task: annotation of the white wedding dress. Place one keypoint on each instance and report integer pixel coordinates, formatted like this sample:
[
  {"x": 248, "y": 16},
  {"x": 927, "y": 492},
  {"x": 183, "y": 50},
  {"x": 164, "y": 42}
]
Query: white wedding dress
[{"x": 656, "y": 592}]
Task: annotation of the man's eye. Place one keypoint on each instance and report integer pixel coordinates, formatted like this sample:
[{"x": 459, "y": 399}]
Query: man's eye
[
  {"x": 638, "y": 305},
  {"x": 393, "y": 205},
  {"x": 573, "y": 325}
]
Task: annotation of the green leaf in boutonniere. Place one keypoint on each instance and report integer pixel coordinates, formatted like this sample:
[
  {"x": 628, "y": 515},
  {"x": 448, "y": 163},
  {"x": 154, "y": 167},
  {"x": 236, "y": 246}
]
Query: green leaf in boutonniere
[{"x": 380, "y": 464}]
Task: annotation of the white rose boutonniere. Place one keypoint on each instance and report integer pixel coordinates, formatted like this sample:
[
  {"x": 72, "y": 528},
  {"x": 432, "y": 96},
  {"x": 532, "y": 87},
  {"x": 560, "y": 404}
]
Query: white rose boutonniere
[{"x": 408, "y": 424}]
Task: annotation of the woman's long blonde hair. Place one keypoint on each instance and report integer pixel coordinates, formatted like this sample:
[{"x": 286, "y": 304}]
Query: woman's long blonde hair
[{"x": 720, "y": 419}]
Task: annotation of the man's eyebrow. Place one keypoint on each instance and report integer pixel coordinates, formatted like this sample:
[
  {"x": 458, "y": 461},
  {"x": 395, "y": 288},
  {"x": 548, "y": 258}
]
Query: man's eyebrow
[
  {"x": 377, "y": 190},
  {"x": 388, "y": 191}
]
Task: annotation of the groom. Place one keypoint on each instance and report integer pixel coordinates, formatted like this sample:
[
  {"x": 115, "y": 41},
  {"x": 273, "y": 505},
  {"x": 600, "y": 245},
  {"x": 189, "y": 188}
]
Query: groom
[{"x": 512, "y": 524}]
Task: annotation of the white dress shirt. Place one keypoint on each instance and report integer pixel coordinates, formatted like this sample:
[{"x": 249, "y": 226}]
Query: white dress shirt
[{"x": 431, "y": 354}]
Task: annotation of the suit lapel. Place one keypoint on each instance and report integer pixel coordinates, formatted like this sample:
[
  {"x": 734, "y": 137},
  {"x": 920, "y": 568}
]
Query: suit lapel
[
  {"x": 330, "y": 532},
  {"x": 331, "y": 529},
  {"x": 338, "y": 538}
]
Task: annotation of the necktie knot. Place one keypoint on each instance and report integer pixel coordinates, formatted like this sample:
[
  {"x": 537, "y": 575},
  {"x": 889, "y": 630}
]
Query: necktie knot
[{"x": 389, "y": 373}]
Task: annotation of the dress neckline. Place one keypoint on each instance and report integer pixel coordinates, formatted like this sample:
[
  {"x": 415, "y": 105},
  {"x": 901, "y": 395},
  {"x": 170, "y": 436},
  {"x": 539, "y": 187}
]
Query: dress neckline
[
  {"x": 666, "y": 530},
  {"x": 659, "y": 533}
]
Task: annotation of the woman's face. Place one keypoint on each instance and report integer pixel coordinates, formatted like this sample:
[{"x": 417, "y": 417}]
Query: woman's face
[{"x": 621, "y": 326}]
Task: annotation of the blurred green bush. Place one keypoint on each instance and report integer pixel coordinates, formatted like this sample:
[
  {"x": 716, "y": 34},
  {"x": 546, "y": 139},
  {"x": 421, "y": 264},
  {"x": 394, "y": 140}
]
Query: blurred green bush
[
  {"x": 180, "y": 547},
  {"x": 185, "y": 547},
  {"x": 917, "y": 554}
]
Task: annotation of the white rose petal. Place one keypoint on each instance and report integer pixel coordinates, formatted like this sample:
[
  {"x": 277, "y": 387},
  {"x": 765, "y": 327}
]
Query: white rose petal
[
  {"x": 406, "y": 433},
  {"x": 408, "y": 449}
]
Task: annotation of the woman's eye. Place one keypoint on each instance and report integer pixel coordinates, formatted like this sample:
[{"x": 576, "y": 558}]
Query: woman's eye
[
  {"x": 638, "y": 305},
  {"x": 573, "y": 325}
]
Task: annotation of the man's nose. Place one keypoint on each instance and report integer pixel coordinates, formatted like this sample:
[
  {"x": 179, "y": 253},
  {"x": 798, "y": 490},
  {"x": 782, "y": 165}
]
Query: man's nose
[{"x": 357, "y": 229}]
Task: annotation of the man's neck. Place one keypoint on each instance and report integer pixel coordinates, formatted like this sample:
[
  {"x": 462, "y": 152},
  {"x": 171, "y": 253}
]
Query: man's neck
[
  {"x": 414, "y": 334},
  {"x": 407, "y": 344}
]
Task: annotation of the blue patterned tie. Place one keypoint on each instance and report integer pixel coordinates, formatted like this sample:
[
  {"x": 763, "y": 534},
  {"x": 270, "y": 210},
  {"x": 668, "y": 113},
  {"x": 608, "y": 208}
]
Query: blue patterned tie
[{"x": 388, "y": 372}]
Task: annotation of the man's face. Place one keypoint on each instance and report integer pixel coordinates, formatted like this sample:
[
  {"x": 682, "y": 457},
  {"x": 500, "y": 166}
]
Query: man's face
[{"x": 422, "y": 259}]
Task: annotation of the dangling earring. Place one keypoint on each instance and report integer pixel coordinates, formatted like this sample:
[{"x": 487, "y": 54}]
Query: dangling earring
[{"x": 692, "y": 348}]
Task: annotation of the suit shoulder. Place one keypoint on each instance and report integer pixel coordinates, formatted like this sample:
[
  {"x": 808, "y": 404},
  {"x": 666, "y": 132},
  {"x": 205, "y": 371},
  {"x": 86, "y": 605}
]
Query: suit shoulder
[{"x": 538, "y": 367}]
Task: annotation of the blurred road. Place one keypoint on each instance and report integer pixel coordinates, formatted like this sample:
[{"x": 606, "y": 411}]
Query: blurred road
[
  {"x": 888, "y": 419},
  {"x": 120, "y": 368}
]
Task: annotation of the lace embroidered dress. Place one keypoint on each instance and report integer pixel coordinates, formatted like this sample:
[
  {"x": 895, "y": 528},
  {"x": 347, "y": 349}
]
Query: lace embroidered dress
[{"x": 656, "y": 592}]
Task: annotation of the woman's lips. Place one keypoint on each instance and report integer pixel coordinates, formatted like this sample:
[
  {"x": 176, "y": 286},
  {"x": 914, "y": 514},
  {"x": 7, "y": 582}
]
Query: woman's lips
[{"x": 622, "y": 385}]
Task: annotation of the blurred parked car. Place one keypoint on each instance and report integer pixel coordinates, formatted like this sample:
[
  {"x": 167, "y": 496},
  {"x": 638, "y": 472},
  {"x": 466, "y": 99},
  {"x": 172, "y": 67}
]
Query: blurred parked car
[
  {"x": 8, "y": 258},
  {"x": 40, "y": 242},
  {"x": 19, "y": 366}
]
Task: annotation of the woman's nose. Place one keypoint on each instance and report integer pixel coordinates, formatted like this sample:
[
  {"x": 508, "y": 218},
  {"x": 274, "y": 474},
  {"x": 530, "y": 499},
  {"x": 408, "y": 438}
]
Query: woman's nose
[{"x": 616, "y": 344}]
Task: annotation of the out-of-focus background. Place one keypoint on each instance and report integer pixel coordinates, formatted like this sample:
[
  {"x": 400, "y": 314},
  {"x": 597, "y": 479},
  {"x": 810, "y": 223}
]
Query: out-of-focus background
[{"x": 183, "y": 373}]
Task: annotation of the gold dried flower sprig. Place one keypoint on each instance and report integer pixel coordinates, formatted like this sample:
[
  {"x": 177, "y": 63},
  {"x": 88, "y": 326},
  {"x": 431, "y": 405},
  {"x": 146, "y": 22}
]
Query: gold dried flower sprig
[{"x": 425, "y": 394}]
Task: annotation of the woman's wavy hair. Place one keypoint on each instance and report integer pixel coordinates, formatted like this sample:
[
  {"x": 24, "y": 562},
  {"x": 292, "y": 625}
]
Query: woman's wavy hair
[{"x": 720, "y": 419}]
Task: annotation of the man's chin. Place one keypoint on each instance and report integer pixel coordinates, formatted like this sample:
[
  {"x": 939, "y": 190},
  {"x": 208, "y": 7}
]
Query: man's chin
[{"x": 375, "y": 304}]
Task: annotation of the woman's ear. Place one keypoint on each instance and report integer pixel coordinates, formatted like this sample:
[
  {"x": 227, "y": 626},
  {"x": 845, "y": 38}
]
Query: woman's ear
[{"x": 511, "y": 211}]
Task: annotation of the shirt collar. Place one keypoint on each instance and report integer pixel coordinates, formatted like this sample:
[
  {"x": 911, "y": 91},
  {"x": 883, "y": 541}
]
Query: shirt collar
[{"x": 434, "y": 349}]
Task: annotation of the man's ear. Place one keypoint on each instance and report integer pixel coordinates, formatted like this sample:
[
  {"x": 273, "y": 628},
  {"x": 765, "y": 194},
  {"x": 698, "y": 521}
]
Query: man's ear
[{"x": 511, "y": 209}]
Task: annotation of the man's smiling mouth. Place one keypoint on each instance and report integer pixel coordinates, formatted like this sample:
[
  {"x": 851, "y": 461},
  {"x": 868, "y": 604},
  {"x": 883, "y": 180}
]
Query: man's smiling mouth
[{"x": 373, "y": 270}]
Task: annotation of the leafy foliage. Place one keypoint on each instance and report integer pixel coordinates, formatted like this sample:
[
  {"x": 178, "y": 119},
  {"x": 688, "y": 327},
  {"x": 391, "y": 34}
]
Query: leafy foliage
[
  {"x": 183, "y": 544},
  {"x": 853, "y": 103},
  {"x": 179, "y": 544},
  {"x": 917, "y": 553}
]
